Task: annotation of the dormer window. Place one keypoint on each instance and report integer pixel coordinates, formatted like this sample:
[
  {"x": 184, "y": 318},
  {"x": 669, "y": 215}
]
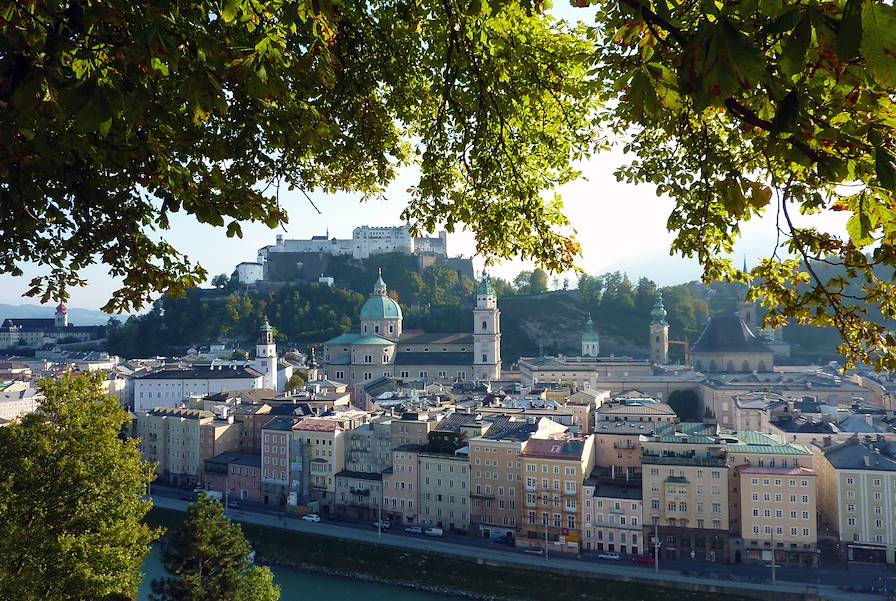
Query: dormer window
[{"x": 376, "y": 329}]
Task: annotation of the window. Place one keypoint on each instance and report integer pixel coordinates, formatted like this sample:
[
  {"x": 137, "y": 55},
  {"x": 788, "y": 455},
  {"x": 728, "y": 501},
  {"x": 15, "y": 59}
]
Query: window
[{"x": 484, "y": 357}]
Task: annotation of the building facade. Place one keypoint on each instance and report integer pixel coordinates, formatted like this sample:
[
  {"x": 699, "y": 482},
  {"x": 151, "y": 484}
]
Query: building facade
[
  {"x": 858, "y": 495},
  {"x": 382, "y": 348}
]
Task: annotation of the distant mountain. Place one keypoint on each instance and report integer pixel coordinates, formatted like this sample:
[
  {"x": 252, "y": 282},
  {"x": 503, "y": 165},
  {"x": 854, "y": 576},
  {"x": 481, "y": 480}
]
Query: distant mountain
[{"x": 76, "y": 315}]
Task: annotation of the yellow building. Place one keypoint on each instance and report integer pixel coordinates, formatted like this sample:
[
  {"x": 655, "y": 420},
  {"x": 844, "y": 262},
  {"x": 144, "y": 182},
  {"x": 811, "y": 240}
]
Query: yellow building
[
  {"x": 180, "y": 440},
  {"x": 778, "y": 513},
  {"x": 553, "y": 470}
]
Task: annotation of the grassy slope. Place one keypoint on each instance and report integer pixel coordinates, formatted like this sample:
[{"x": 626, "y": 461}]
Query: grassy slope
[{"x": 295, "y": 549}]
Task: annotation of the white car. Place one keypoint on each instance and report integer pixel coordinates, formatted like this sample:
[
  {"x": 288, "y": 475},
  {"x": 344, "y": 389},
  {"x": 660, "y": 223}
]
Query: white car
[
  {"x": 311, "y": 517},
  {"x": 433, "y": 532},
  {"x": 385, "y": 524},
  {"x": 414, "y": 530},
  {"x": 612, "y": 556}
]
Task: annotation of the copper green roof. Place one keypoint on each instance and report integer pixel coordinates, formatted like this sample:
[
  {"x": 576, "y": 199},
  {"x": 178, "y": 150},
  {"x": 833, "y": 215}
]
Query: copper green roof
[
  {"x": 379, "y": 306},
  {"x": 590, "y": 334},
  {"x": 658, "y": 313},
  {"x": 485, "y": 286}
]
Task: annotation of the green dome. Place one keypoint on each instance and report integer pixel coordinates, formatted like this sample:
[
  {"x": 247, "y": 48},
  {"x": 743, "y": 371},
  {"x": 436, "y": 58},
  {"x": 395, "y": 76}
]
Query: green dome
[
  {"x": 485, "y": 286},
  {"x": 590, "y": 334},
  {"x": 379, "y": 306},
  {"x": 658, "y": 313}
]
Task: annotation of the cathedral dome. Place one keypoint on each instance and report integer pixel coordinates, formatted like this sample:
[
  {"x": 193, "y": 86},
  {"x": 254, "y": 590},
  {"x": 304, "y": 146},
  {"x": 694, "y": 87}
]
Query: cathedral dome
[{"x": 379, "y": 306}]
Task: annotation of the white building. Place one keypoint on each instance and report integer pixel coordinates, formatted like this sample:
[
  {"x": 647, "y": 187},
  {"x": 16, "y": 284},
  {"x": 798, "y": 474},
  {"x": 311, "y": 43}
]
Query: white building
[
  {"x": 17, "y": 399},
  {"x": 249, "y": 272},
  {"x": 169, "y": 387},
  {"x": 365, "y": 241}
]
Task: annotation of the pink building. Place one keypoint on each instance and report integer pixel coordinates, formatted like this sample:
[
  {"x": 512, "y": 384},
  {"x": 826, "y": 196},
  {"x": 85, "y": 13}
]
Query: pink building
[
  {"x": 401, "y": 487},
  {"x": 275, "y": 459},
  {"x": 237, "y": 474}
]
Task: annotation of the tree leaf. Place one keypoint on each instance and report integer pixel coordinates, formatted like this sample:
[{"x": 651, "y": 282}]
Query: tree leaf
[
  {"x": 849, "y": 35},
  {"x": 793, "y": 57},
  {"x": 883, "y": 168},
  {"x": 879, "y": 40}
]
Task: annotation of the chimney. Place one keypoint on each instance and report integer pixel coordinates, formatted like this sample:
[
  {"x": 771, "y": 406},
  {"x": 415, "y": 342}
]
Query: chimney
[
  {"x": 827, "y": 441},
  {"x": 869, "y": 419},
  {"x": 867, "y": 461}
]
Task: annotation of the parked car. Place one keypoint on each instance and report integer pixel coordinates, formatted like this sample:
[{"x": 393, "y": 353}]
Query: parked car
[
  {"x": 534, "y": 551},
  {"x": 311, "y": 517},
  {"x": 643, "y": 560},
  {"x": 233, "y": 504},
  {"x": 611, "y": 556},
  {"x": 198, "y": 490},
  {"x": 434, "y": 532},
  {"x": 414, "y": 530},
  {"x": 384, "y": 524}
]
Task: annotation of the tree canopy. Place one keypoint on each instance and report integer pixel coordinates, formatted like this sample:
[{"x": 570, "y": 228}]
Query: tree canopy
[
  {"x": 118, "y": 114},
  {"x": 739, "y": 108},
  {"x": 207, "y": 557},
  {"x": 71, "y": 499}
]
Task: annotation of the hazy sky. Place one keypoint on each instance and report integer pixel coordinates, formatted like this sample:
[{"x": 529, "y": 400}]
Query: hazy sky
[{"x": 621, "y": 227}]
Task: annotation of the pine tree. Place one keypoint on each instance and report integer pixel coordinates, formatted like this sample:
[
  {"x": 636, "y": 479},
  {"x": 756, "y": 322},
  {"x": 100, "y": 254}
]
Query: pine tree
[{"x": 207, "y": 558}]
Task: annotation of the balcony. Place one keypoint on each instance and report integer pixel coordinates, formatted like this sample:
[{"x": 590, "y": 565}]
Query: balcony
[
  {"x": 692, "y": 460},
  {"x": 478, "y": 495}
]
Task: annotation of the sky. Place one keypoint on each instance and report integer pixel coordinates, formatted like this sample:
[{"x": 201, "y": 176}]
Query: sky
[{"x": 620, "y": 226}]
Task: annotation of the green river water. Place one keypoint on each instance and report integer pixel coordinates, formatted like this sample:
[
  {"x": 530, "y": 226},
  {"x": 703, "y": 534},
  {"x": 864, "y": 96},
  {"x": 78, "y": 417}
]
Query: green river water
[{"x": 304, "y": 586}]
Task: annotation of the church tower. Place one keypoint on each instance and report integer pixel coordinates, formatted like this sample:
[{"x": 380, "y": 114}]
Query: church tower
[
  {"x": 486, "y": 332},
  {"x": 266, "y": 355},
  {"x": 659, "y": 332},
  {"x": 61, "y": 318},
  {"x": 590, "y": 340}
]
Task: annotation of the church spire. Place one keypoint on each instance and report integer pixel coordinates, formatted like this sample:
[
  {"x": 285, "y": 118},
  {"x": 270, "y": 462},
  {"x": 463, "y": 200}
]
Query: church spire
[
  {"x": 379, "y": 288},
  {"x": 658, "y": 313}
]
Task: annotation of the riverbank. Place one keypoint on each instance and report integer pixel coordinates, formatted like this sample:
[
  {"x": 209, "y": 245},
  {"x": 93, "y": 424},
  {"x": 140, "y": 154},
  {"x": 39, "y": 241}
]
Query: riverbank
[{"x": 436, "y": 573}]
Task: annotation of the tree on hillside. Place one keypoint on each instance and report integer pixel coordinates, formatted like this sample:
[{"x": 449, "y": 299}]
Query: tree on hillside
[
  {"x": 220, "y": 281},
  {"x": 685, "y": 404},
  {"x": 71, "y": 499},
  {"x": 522, "y": 283},
  {"x": 119, "y": 114},
  {"x": 538, "y": 281},
  {"x": 207, "y": 558}
]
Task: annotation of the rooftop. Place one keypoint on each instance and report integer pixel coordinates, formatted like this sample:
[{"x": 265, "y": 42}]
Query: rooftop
[
  {"x": 421, "y": 337},
  {"x": 204, "y": 372},
  {"x": 236, "y": 458},
  {"x": 775, "y": 471},
  {"x": 728, "y": 334},
  {"x": 855, "y": 455},
  {"x": 554, "y": 449}
]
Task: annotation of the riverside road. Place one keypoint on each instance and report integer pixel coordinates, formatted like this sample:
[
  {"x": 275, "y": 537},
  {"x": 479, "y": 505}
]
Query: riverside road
[{"x": 831, "y": 582}]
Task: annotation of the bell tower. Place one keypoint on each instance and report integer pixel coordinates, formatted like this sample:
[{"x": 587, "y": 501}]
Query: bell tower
[
  {"x": 659, "y": 332},
  {"x": 266, "y": 355},
  {"x": 486, "y": 332}
]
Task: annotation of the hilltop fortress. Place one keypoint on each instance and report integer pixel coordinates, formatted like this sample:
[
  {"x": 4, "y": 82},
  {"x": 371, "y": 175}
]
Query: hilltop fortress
[{"x": 289, "y": 260}]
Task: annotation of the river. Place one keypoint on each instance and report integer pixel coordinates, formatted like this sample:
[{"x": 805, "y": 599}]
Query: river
[{"x": 305, "y": 586}]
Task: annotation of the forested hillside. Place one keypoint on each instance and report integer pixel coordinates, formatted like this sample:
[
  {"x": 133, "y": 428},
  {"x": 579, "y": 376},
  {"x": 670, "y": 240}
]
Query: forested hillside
[{"x": 533, "y": 319}]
